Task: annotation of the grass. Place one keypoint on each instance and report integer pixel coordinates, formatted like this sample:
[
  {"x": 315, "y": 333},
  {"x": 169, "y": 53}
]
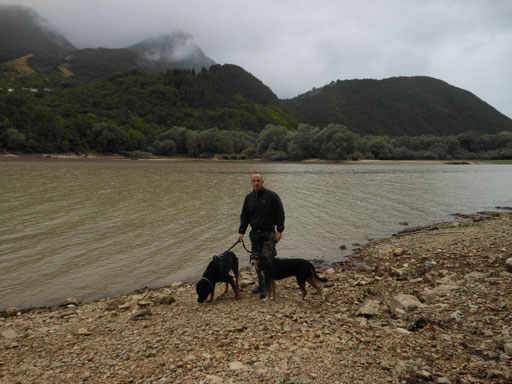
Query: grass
[
  {"x": 509, "y": 161},
  {"x": 21, "y": 64}
]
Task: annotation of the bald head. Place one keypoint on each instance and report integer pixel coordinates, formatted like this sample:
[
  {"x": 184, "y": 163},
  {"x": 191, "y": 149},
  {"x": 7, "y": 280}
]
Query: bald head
[{"x": 257, "y": 181}]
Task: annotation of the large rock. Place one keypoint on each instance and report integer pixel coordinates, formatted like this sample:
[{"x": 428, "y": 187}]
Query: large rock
[
  {"x": 508, "y": 264},
  {"x": 164, "y": 298},
  {"x": 9, "y": 334},
  {"x": 369, "y": 308},
  {"x": 441, "y": 290},
  {"x": 404, "y": 302}
]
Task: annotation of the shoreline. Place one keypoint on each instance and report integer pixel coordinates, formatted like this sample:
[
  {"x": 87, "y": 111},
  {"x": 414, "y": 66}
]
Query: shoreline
[
  {"x": 321, "y": 265},
  {"x": 116, "y": 157},
  {"x": 427, "y": 306}
]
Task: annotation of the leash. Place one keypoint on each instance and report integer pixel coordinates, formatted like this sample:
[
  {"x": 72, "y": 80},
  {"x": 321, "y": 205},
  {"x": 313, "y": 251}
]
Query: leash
[
  {"x": 245, "y": 247},
  {"x": 233, "y": 246}
]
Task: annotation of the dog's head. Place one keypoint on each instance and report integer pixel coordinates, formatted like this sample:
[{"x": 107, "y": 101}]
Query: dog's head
[
  {"x": 258, "y": 261},
  {"x": 254, "y": 259},
  {"x": 203, "y": 289}
]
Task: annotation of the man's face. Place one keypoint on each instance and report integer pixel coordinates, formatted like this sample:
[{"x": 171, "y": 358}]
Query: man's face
[{"x": 256, "y": 182}]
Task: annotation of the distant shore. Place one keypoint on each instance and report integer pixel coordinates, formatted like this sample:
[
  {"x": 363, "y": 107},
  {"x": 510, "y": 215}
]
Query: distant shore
[{"x": 117, "y": 157}]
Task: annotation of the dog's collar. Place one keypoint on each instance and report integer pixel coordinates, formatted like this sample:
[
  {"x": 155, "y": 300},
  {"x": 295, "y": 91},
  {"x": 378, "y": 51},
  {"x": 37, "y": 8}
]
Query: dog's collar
[{"x": 213, "y": 286}]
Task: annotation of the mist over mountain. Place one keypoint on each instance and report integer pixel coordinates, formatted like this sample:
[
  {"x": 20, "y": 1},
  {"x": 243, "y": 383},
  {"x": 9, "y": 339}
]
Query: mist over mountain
[
  {"x": 177, "y": 50},
  {"x": 23, "y": 31}
]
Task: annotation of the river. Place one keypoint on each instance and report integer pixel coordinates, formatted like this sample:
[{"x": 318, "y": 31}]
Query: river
[{"x": 91, "y": 229}]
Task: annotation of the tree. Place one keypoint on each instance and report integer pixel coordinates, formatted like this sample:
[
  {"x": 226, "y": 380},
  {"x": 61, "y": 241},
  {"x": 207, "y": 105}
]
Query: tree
[
  {"x": 107, "y": 138},
  {"x": 380, "y": 147},
  {"x": 272, "y": 135}
]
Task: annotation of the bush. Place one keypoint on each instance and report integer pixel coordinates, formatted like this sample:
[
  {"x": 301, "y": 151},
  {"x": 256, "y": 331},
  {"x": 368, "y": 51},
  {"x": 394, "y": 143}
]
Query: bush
[
  {"x": 275, "y": 155},
  {"x": 138, "y": 155}
]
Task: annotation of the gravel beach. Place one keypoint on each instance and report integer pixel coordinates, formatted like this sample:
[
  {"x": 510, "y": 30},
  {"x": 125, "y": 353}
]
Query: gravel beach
[{"x": 430, "y": 304}]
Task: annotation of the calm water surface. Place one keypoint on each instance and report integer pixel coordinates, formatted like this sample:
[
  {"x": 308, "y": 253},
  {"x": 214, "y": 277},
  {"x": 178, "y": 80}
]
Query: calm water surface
[{"x": 91, "y": 229}]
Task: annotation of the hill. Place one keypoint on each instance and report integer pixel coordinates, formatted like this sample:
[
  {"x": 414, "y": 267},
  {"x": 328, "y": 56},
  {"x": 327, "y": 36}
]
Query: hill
[
  {"x": 29, "y": 39},
  {"x": 398, "y": 106},
  {"x": 24, "y": 32}
]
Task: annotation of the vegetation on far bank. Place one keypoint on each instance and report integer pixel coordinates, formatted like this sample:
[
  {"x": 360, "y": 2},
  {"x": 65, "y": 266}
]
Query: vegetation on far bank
[{"x": 222, "y": 110}]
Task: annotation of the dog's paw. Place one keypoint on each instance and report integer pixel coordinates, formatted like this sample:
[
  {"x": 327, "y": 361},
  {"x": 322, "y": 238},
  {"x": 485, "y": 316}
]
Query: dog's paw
[{"x": 264, "y": 298}]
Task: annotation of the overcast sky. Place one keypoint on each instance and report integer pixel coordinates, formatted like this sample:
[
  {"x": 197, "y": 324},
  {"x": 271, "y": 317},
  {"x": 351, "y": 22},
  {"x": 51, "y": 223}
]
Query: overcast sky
[{"x": 295, "y": 45}]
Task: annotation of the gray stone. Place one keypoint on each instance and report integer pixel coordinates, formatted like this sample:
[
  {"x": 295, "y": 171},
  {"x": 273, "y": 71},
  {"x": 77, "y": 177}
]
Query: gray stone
[
  {"x": 472, "y": 276},
  {"x": 164, "y": 298},
  {"x": 440, "y": 290},
  {"x": 9, "y": 334},
  {"x": 404, "y": 302}
]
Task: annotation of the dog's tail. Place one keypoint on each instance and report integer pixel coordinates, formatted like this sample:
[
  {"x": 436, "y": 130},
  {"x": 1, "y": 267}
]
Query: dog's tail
[{"x": 318, "y": 277}]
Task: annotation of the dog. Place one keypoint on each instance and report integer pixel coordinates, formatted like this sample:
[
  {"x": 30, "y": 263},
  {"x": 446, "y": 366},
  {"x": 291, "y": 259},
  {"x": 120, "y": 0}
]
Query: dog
[
  {"x": 218, "y": 271},
  {"x": 276, "y": 269}
]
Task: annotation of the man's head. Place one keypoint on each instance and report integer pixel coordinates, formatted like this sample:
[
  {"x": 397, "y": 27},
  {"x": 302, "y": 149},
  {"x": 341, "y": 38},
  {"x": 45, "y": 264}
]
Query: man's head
[{"x": 257, "y": 181}]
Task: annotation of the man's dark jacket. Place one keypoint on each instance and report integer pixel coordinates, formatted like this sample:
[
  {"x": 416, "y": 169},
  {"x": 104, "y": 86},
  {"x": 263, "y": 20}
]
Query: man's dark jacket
[{"x": 263, "y": 210}]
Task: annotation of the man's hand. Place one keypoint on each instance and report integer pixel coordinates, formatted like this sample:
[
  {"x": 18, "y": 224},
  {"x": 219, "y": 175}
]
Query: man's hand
[
  {"x": 240, "y": 238},
  {"x": 278, "y": 236}
]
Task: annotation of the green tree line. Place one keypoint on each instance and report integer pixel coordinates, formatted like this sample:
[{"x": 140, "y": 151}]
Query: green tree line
[{"x": 220, "y": 110}]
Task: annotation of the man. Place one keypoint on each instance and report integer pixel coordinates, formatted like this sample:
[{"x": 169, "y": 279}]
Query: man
[{"x": 264, "y": 211}]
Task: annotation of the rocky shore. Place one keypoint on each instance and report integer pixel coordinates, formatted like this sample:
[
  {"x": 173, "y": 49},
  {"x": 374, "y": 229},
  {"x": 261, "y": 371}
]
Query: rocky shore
[{"x": 426, "y": 305}]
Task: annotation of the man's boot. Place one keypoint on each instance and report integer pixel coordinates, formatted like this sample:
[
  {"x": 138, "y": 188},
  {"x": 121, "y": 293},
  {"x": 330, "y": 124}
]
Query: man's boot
[{"x": 261, "y": 286}]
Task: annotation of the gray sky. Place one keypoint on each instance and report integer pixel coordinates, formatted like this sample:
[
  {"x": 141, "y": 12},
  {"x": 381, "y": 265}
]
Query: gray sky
[{"x": 295, "y": 45}]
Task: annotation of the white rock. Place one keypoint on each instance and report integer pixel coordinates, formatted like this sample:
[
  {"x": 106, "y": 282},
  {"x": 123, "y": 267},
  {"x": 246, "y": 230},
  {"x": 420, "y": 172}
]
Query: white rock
[
  {"x": 508, "y": 264},
  {"x": 237, "y": 365},
  {"x": 330, "y": 271},
  {"x": 369, "y": 308}
]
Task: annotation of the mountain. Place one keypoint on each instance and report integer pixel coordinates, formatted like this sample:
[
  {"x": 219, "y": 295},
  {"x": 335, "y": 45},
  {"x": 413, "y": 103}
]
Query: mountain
[
  {"x": 24, "y": 32},
  {"x": 33, "y": 54},
  {"x": 94, "y": 63},
  {"x": 177, "y": 50},
  {"x": 398, "y": 106},
  {"x": 29, "y": 42}
]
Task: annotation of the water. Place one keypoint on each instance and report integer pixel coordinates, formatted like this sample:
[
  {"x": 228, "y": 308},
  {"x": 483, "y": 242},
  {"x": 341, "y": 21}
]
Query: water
[{"x": 91, "y": 229}]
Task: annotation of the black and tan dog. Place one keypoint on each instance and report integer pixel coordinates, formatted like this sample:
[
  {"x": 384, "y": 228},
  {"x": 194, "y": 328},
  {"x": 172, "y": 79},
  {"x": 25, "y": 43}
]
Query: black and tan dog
[
  {"x": 218, "y": 271},
  {"x": 276, "y": 269}
]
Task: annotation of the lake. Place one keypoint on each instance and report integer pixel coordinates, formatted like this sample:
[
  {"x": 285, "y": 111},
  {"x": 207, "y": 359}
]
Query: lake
[{"x": 91, "y": 228}]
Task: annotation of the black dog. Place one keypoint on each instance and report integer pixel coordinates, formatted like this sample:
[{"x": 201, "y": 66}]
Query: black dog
[
  {"x": 217, "y": 271},
  {"x": 276, "y": 269}
]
